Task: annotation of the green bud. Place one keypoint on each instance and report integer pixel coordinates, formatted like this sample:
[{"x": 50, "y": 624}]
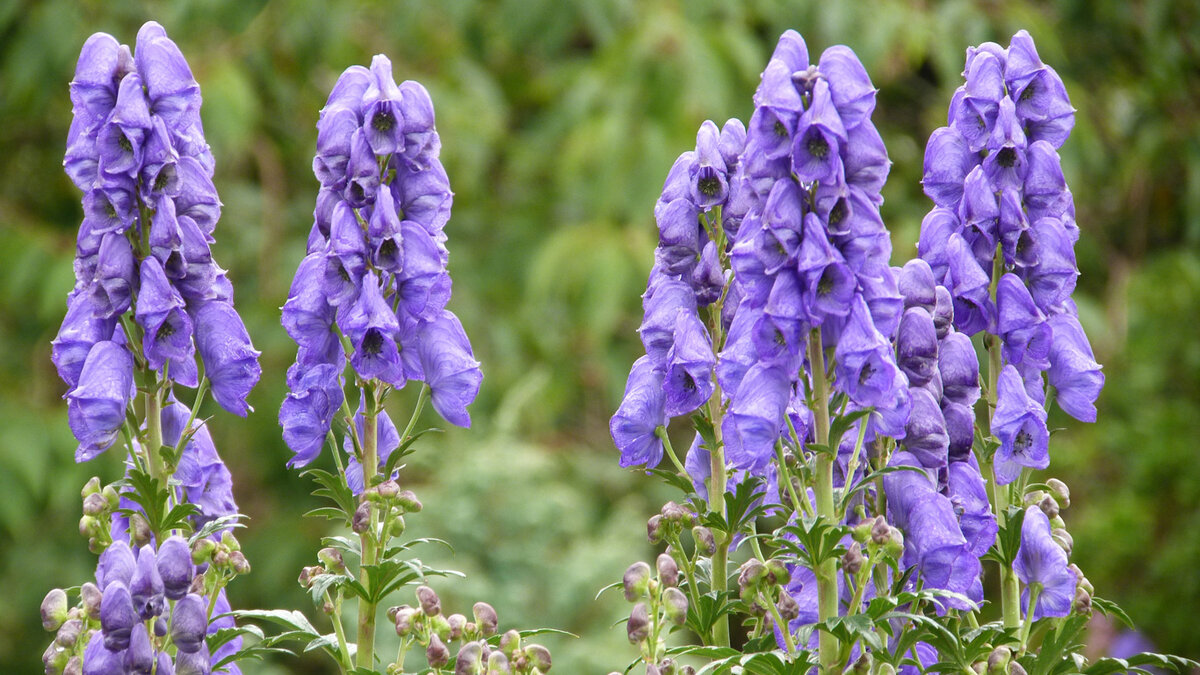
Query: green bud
[
  {"x": 229, "y": 541},
  {"x": 885, "y": 668},
  {"x": 862, "y": 531},
  {"x": 139, "y": 531},
  {"x": 440, "y": 625},
  {"x": 666, "y": 667},
  {"x": 538, "y": 657},
  {"x": 777, "y": 572},
  {"x": 388, "y": 489},
  {"x": 752, "y": 573},
  {"x": 469, "y": 660},
  {"x": 202, "y": 550},
  {"x": 436, "y": 653},
  {"x": 895, "y": 545},
  {"x": 237, "y": 561},
  {"x": 636, "y": 581},
  {"x": 96, "y": 546},
  {"x": 1064, "y": 539},
  {"x": 485, "y": 618},
  {"x": 1081, "y": 580},
  {"x": 675, "y": 604},
  {"x": 497, "y": 663},
  {"x": 74, "y": 666},
  {"x": 89, "y": 526},
  {"x": 510, "y": 642},
  {"x": 372, "y": 495},
  {"x": 90, "y": 488},
  {"x": 1015, "y": 668},
  {"x": 111, "y": 496},
  {"x": 1033, "y": 497},
  {"x": 705, "y": 542},
  {"x": 54, "y": 658},
  {"x": 457, "y": 624},
  {"x": 396, "y": 525},
  {"x": 307, "y": 574},
  {"x": 221, "y": 558},
  {"x": 331, "y": 558},
  {"x": 638, "y": 626},
  {"x": 54, "y": 609},
  {"x": 408, "y": 501},
  {"x": 1060, "y": 491},
  {"x": 1058, "y": 522},
  {"x": 668, "y": 571},
  {"x": 998, "y": 660},
  {"x": 1082, "y": 603},
  {"x": 654, "y": 528},
  {"x": 94, "y": 504},
  {"x": 90, "y": 595}
]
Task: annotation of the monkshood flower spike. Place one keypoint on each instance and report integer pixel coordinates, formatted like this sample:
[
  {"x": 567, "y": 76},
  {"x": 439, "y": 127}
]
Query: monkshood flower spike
[
  {"x": 151, "y": 313},
  {"x": 842, "y": 396},
  {"x": 368, "y": 312}
]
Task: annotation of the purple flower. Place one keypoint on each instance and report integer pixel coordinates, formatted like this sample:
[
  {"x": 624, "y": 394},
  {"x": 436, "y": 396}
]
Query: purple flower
[
  {"x": 916, "y": 283},
  {"x": 172, "y": 90},
  {"x": 707, "y": 184},
  {"x": 820, "y": 136},
  {"x": 372, "y": 326},
  {"x": 139, "y": 658},
  {"x": 968, "y": 493},
  {"x": 120, "y": 141},
  {"x": 849, "y": 85},
  {"x": 387, "y": 252},
  {"x": 688, "y": 379},
  {"x": 449, "y": 367},
  {"x": 1042, "y": 562},
  {"x": 865, "y": 368},
  {"x": 424, "y": 286},
  {"x": 917, "y": 346},
  {"x": 1052, "y": 281},
  {"x": 925, "y": 434},
  {"x": 936, "y": 230},
  {"x": 362, "y": 172},
  {"x": 960, "y": 429},
  {"x": 117, "y": 616},
  {"x": 634, "y": 425},
  {"x": 958, "y": 365},
  {"x": 201, "y": 472},
  {"x": 1074, "y": 373},
  {"x": 94, "y": 87},
  {"x": 116, "y": 564},
  {"x": 1021, "y": 325},
  {"x": 96, "y": 406},
  {"x": 1039, "y": 93},
  {"x": 230, "y": 360},
  {"x": 80, "y": 330},
  {"x": 968, "y": 284},
  {"x": 98, "y": 660},
  {"x": 1005, "y": 164},
  {"x": 160, "y": 312},
  {"x": 948, "y": 160},
  {"x": 307, "y": 412},
  {"x": 1045, "y": 191},
  {"x": 1020, "y": 424},
  {"x": 175, "y": 567},
  {"x": 866, "y": 160},
  {"x": 933, "y": 540},
  {"x": 383, "y": 120},
  {"x": 424, "y": 196},
  {"x": 975, "y": 106},
  {"x": 111, "y": 287},
  {"x": 777, "y": 110},
  {"x": 334, "y": 130},
  {"x": 421, "y": 141},
  {"x": 308, "y": 317},
  {"x": 189, "y": 623},
  {"x": 146, "y": 587},
  {"x": 664, "y": 298},
  {"x": 756, "y": 415},
  {"x": 346, "y": 258},
  {"x": 679, "y": 236}
]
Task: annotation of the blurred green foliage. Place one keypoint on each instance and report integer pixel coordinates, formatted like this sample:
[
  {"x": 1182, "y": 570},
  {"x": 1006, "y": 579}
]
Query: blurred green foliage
[{"x": 559, "y": 120}]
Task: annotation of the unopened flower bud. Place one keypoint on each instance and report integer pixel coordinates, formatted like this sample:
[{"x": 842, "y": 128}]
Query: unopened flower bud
[
  {"x": 853, "y": 561},
  {"x": 68, "y": 633},
  {"x": 237, "y": 560},
  {"x": 638, "y": 626},
  {"x": 91, "y": 487},
  {"x": 175, "y": 567},
  {"x": 89, "y": 526},
  {"x": 636, "y": 581},
  {"x": 880, "y": 532},
  {"x": 54, "y": 609},
  {"x": 160, "y": 626},
  {"x": 362, "y": 518},
  {"x": 54, "y": 658},
  {"x": 372, "y": 495},
  {"x": 1033, "y": 497},
  {"x": 1081, "y": 580},
  {"x": 654, "y": 528},
  {"x": 705, "y": 541},
  {"x": 189, "y": 623},
  {"x": 538, "y": 657},
  {"x": 1049, "y": 506},
  {"x": 388, "y": 489},
  {"x": 457, "y": 624},
  {"x": 90, "y": 594},
  {"x": 497, "y": 663},
  {"x": 668, "y": 571},
  {"x": 861, "y": 665},
  {"x": 431, "y": 605},
  {"x": 202, "y": 550},
  {"x": 998, "y": 660},
  {"x": 895, "y": 545},
  {"x": 752, "y": 572},
  {"x": 438, "y": 624},
  {"x": 139, "y": 530},
  {"x": 673, "y": 512},
  {"x": 777, "y": 572},
  {"x": 331, "y": 558},
  {"x": 1064, "y": 539},
  {"x": 675, "y": 603},
  {"x": 1062, "y": 494},
  {"x": 485, "y": 618},
  {"x": 1015, "y": 668},
  {"x": 111, "y": 496},
  {"x": 408, "y": 501},
  {"x": 1058, "y": 522},
  {"x": 789, "y": 609},
  {"x": 198, "y": 585},
  {"x": 469, "y": 660},
  {"x": 396, "y": 525},
  {"x": 436, "y": 653},
  {"x": 230, "y": 542},
  {"x": 94, "y": 504},
  {"x": 1082, "y": 603},
  {"x": 885, "y": 669},
  {"x": 75, "y": 666},
  {"x": 307, "y": 574},
  {"x": 404, "y": 620},
  {"x": 862, "y": 531},
  {"x": 652, "y": 669}
]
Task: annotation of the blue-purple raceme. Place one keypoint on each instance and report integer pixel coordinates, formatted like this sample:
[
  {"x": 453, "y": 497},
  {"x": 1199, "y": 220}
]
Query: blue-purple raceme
[{"x": 375, "y": 275}]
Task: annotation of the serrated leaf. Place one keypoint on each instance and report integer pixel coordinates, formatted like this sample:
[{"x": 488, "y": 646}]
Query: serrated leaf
[
  {"x": 675, "y": 480},
  {"x": 405, "y": 449},
  {"x": 1110, "y": 608},
  {"x": 288, "y": 618}
]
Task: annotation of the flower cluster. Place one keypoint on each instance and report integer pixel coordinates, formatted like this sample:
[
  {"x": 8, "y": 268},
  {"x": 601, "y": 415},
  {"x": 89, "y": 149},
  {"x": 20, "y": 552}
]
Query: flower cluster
[
  {"x": 136, "y": 149},
  {"x": 374, "y": 282},
  {"x": 1001, "y": 240},
  {"x": 148, "y": 611}
]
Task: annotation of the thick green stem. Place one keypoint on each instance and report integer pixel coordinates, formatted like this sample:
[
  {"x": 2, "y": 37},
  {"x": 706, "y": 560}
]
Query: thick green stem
[
  {"x": 154, "y": 437},
  {"x": 366, "y": 610},
  {"x": 826, "y": 572},
  {"x": 716, "y": 503},
  {"x": 340, "y": 631}
]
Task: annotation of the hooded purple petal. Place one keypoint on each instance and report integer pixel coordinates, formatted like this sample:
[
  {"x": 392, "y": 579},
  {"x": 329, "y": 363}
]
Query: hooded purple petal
[
  {"x": 230, "y": 360},
  {"x": 634, "y": 424},
  {"x": 450, "y": 367},
  {"x": 96, "y": 406},
  {"x": 1041, "y": 561}
]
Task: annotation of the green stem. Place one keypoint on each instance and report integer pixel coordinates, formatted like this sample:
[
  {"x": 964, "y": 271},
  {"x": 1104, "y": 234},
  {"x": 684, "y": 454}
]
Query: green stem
[
  {"x": 783, "y": 627},
  {"x": 785, "y": 475},
  {"x": 340, "y": 630},
  {"x": 1034, "y": 591},
  {"x": 688, "y": 571},
  {"x": 853, "y": 465},
  {"x": 154, "y": 437},
  {"x": 367, "y": 609},
  {"x": 661, "y": 432},
  {"x": 422, "y": 396},
  {"x": 826, "y": 571}
]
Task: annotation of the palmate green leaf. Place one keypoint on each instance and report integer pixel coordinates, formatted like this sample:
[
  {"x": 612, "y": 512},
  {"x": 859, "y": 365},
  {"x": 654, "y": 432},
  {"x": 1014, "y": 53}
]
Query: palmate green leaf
[
  {"x": 850, "y": 629},
  {"x": 1057, "y": 645},
  {"x": 1138, "y": 662},
  {"x": 404, "y": 546},
  {"x": 291, "y": 619},
  {"x": 1008, "y": 538},
  {"x": 819, "y": 540},
  {"x": 703, "y": 615},
  {"x": 224, "y": 635},
  {"x": 704, "y": 427},
  {"x": 675, "y": 480},
  {"x": 216, "y": 525},
  {"x": 1110, "y": 608},
  {"x": 744, "y": 504},
  {"x": 335, "y": 489},
  {"x": 154, "y": 498}
]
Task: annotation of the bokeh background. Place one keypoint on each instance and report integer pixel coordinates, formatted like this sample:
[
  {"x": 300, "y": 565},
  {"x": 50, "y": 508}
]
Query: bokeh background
[{"x": 559, "y": 120}]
